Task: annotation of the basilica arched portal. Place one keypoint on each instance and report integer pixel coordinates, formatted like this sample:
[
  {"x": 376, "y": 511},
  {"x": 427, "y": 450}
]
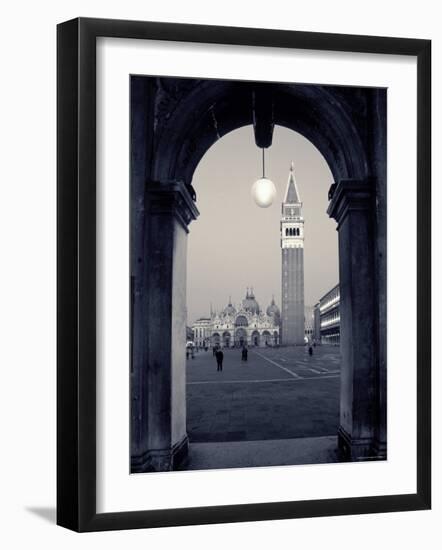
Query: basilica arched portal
[
  {"x": 240, "y": 337},
  {"x": 267, "y": 338},
  {"x": 174, "y": 122},
  {"x": 226, "y": 339},
  {"x": 256, "y": 338}
]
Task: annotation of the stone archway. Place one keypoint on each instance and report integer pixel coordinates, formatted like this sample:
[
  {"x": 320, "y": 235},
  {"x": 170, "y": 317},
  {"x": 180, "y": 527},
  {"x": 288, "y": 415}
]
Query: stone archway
[
  {"x": 240, "y": 337},
  {"x": 173, "y": 123},
  {"x": 256, "y": 338},
  {"x": 226, "y": 339},
  {"x": 241, "y": 321},
  {"x": 266, "y": 338}
]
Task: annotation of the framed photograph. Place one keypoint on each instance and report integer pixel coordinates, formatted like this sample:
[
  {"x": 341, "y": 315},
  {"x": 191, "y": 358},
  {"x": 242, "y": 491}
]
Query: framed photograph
[{"x": 243, "y": 274}]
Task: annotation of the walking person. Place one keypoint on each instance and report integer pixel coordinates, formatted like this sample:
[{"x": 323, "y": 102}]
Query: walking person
[
  {"x": 244, "y": 354},
  {"x": 310, "y": 350},
  {"x": 219, "y": 359}
]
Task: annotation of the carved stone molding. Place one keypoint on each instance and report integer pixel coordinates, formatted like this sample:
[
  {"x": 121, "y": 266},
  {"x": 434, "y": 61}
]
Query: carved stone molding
[
  {"x": 172, "y": 198},
  {"x": 350, "y": 195}
]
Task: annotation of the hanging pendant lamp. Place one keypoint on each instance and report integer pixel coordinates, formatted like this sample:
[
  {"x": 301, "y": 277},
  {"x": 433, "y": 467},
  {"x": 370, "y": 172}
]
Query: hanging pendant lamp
[{"x": 263, "y": 190}]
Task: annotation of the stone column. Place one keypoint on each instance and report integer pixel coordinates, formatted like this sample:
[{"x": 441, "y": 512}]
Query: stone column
[
  {"x": 169, "y": 211},
  {"x": 352, "y": 206}
]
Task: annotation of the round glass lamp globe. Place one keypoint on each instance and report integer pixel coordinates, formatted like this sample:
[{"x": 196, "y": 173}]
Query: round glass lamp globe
[{"x": 263, "y": 192}]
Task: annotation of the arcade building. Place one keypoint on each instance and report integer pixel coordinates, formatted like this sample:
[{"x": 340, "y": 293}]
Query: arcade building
[{"x": 327, "y": 318}]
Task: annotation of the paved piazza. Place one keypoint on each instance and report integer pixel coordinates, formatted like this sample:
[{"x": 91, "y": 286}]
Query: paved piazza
[{"x": 279, "y": 393}]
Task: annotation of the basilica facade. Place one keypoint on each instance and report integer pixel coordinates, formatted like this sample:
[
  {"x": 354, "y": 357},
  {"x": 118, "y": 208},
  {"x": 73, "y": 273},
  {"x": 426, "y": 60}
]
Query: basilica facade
[{"x": 237, "y": 326}]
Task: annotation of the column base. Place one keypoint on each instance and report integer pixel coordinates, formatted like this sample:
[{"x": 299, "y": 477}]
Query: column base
[
  {"x": 161, "y": 460},
  {"x": 359, "y": 449},
  {"x": 380, "y": 449}
]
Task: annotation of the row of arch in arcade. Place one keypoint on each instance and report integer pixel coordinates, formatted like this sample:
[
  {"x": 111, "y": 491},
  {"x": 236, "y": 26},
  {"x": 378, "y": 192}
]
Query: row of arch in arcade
[
  {"x": 242, "y": 338},
  {"x": 292, "y": 232}
]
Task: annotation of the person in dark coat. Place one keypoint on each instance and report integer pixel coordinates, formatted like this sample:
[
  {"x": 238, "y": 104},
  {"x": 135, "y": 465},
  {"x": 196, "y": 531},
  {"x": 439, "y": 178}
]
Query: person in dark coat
[
  {"x": 310, "y": 350},
  {"x": 219, "y": 359},
  {"x": 244, "y": 354}
]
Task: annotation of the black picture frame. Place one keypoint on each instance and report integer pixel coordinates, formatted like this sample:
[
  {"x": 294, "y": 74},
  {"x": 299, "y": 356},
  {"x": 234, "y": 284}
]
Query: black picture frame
[{"x": 76, "y": 274}]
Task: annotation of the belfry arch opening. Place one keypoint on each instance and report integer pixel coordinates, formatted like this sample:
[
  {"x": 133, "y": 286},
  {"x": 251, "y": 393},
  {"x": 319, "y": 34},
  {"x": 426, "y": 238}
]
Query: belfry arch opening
[{"x": 347, "y": 126}]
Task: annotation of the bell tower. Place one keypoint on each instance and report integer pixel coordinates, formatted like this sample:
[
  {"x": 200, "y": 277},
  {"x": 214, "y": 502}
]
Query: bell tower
[{"x": 292, "y": 257}]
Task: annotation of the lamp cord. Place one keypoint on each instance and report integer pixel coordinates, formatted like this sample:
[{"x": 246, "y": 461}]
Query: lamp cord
[{"x": 263, "y": 163}]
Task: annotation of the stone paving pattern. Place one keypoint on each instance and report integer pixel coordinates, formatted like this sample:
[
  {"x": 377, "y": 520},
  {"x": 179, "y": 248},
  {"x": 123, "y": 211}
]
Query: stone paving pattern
[{"x": 280, "y": 393}]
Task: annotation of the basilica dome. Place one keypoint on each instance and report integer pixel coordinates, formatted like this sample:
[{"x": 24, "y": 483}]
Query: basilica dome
[
  {"x": 229, "y": 309},
  {"x": 249, "y": 303},
  {"x": 273, "y": 309}
]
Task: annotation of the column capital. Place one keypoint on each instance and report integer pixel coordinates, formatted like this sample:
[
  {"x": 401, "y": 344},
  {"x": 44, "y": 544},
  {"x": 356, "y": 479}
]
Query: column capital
[
  {"x": 171, "y": 198},
  {"x": 350, "y": 195}
]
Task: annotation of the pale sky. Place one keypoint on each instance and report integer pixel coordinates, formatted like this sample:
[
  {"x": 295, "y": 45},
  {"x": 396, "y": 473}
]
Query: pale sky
[{"x": 234, "y": 244}]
